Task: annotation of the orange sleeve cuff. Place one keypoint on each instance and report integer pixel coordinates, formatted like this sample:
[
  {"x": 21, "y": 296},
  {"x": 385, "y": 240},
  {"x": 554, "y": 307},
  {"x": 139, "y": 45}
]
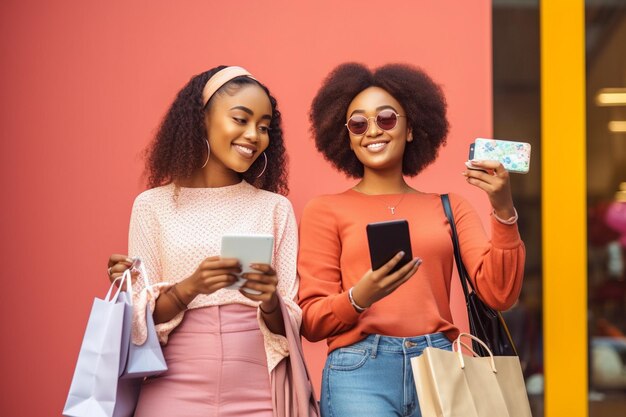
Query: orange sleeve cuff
[
  {"x": 342, "y": 308},
  {"x": 504, "y": 236}
]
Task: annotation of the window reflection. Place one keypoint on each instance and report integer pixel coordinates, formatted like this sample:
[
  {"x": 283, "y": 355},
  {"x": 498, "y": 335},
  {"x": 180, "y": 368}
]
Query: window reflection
[
  {"x": 516, "y": 77},
  {"x": 516, "y": 108},
  {"x": 606, "y": 198}
]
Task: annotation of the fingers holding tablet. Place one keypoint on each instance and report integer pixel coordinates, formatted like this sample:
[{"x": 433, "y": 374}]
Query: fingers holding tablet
[{"x": 249, "y": 250}]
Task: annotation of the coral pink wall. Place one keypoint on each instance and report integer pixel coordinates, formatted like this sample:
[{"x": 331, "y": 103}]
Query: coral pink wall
[{"x": 84, "y": 85}]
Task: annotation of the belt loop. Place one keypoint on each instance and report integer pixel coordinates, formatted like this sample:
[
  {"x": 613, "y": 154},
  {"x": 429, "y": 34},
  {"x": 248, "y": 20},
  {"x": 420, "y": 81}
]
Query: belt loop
[
  {"x": 428, "y": 341},
  {"x": 375, "y": 345}
]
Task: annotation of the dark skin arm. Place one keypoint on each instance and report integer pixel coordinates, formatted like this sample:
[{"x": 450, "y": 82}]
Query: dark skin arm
[
  {"x": 493, "y": 180},
  {"x": 266, "y": 282},
  {"x": 376, "y": 285},
  {"x": 213, "y": 274}
]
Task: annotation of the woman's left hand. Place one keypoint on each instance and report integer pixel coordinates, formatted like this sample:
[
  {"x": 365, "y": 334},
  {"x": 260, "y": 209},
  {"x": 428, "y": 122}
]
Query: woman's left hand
[
  {"x": 264, "y": 281},
  {"x": 495, "y": 181}
]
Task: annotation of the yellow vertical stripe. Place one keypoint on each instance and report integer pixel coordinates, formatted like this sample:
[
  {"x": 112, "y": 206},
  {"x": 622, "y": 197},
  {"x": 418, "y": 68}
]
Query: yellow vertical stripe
[{"x": 564, "y": 207}]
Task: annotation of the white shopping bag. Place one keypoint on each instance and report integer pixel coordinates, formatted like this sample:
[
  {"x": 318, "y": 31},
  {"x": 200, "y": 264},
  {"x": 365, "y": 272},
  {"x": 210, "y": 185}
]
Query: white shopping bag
[
  {"x": 102, "y": 357},
  {"x": 145, "y": 359}
]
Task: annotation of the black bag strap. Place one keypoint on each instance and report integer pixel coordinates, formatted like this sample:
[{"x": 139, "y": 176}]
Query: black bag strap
[{"x": 463, "y": 275}]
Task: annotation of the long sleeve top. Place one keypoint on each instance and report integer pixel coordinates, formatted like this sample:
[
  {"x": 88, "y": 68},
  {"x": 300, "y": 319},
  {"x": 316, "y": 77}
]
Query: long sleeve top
[
  {"x": 173, "y": 229},
  {"x": 334, "y": 256}
]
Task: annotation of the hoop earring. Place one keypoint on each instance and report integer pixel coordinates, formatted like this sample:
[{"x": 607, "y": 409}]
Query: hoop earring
[
  {"x": 208, "y": 153},
  {"x": 264, "y": 166}
]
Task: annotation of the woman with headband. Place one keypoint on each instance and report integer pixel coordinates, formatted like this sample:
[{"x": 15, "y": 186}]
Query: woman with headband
[
  {"x": 378, "y": 127},
  {"x": 216, "y": 166}
]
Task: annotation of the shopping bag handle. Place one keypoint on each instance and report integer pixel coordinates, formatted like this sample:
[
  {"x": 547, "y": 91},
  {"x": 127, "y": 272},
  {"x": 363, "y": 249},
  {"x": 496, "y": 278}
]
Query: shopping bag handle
[
  {"x": 138, "y": 265},
  {"x": 125, "y": 278},
  {"x": 469, "y": 348},
  {"x": 456, "y": 346}
]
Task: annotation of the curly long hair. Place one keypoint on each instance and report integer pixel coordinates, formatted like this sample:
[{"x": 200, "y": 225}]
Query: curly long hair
[
  {"x": 179, "y": 147},
  {"x": 422, "y": 100}
]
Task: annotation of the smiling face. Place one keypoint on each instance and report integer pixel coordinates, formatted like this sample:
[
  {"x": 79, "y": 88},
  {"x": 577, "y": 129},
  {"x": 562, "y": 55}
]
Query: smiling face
[
  {"x": 237, "y": 125},
  {"x": 378, "y": 149}
]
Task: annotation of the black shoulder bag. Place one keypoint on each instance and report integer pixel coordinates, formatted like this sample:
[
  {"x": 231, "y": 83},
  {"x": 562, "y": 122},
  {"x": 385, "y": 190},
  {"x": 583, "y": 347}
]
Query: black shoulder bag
[{"x": 485, "y": 323}]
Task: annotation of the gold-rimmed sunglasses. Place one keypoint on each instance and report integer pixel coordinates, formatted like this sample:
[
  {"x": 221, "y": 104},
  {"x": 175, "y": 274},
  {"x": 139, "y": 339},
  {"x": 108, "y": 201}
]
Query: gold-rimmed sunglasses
[{"x": 385, "y": 119}]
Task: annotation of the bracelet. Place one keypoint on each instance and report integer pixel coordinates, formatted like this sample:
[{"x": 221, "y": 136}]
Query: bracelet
[
  {"x": 510, "y": 220},
  {"x": 174, "y": 300},
  {"x": 176, "y": 297},
  {"x": 357, "y": 307},
  {"x": 271, "y": 311}
]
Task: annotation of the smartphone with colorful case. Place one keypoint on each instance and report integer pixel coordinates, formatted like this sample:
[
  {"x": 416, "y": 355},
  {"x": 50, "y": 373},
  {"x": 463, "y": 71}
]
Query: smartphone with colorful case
[{"x": 514, "y": 156}]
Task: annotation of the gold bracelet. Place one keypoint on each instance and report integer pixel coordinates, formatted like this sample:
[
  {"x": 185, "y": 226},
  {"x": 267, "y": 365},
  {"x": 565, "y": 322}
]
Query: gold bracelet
[
  {"x": 271, "y": 311},
  {"x": 174, "y": 289},
  {"x": 172, "y": 299},
  {"x": 175, "y": 296}
]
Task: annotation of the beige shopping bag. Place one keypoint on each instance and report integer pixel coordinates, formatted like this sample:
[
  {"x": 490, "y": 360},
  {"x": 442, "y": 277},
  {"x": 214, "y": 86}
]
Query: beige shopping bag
[{"x": 450, "y": 384}]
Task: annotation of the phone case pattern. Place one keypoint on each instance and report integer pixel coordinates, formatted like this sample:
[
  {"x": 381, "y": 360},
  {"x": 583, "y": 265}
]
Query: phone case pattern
[{"x": 514, "y": 156}]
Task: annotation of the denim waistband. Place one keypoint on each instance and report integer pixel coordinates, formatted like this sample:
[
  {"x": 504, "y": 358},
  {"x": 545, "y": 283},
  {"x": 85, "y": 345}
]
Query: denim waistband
[{"x": 403, "y": 345}]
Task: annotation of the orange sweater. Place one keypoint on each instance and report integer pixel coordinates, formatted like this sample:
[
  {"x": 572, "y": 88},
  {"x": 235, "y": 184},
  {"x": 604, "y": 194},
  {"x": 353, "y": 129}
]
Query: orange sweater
[{"x": 334, "y": 255}]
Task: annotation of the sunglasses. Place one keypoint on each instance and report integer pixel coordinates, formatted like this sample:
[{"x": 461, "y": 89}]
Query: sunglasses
[{"x": 385, "y": 119}]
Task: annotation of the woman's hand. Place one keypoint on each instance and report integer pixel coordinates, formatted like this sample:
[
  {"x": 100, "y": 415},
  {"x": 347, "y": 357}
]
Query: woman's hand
[
  {"x": 117, "y": 265},
  {"x": 376, "y": 285},
  {"x": 213, "y": 273},
  {"x": 264, "y": 281},
  {"x": 495, "y": 182}
]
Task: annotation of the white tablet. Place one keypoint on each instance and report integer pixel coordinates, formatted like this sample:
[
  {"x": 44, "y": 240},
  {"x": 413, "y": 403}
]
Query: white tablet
[{"x": 249, "y": 249}]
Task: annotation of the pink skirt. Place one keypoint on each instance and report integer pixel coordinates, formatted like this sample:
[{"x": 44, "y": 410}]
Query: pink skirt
[{"x": 216, "y": 368}]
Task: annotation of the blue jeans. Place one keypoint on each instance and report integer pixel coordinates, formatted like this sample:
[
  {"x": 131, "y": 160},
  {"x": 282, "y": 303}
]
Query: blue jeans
[{"x": 373, "y": 377}]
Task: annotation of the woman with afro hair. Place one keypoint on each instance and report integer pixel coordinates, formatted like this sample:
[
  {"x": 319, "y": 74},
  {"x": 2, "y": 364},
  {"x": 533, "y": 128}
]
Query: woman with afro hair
[
  {"x": 216, "y": 166},
  {"x": 379, "y": 127}
]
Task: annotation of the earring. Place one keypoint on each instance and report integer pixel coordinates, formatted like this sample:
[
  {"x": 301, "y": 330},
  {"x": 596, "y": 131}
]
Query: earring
[
  {"x": 208, "y": 153},
  {"x": 264, "y": 166}
]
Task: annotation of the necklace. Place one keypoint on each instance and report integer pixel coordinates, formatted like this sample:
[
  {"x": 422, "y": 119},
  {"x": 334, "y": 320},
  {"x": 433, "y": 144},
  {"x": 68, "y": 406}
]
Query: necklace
[{"x": 392, "y": 208}]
